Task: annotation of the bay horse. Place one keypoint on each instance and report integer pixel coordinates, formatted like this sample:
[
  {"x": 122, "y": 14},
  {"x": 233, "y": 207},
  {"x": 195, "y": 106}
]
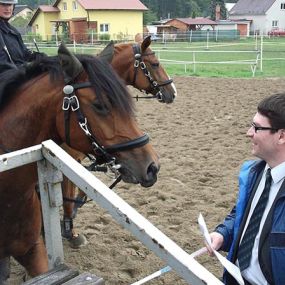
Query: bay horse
[
  {"x": 138, "y": 66},
  {"x": 66, "y": 98}
]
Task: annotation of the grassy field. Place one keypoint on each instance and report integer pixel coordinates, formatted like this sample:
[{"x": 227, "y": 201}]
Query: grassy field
[{"x": 216, "y": 59}]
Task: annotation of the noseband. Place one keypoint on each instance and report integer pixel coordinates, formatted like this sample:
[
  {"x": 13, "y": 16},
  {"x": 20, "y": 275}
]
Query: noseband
[
  {"x": 154, "y": 85},
  {"x": 71, "y": 103}
]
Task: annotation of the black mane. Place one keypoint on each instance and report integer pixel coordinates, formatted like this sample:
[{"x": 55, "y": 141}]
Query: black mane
[{"x": 101, "y": 75}]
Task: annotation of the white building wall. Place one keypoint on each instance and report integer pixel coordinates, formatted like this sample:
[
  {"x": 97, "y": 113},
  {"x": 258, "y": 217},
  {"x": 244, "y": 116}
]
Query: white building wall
[
  {"x": 226, "y": 27},
  {"x": 275, "y": 14},
  {"x": 257, "y": 24}
]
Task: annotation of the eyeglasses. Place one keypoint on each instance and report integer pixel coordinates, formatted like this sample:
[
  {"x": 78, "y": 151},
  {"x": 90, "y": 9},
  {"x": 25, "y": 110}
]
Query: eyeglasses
[{"x": 259, "y": 128}]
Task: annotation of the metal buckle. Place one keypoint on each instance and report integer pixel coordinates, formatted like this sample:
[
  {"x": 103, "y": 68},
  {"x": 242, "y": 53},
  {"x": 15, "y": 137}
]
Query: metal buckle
[
  {"x": 84, "y": 127},
  {"x": 143, "y": 66},
  {"x": 74, "y": 103},
  {"x": 65, "y": 103},
  {"x": 137, "y": 63}
]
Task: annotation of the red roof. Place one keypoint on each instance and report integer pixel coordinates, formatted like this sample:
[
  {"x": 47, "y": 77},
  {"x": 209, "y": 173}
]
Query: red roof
[
  {"x": 48, "y": 8},
  {"x": 45, "y": 9},
  {"x": 112, "y": 5},
  {"x": 195, "y": 21}
]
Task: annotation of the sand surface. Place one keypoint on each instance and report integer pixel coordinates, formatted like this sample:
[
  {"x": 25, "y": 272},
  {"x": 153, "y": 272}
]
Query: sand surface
[{"x": 201, "y": 142}]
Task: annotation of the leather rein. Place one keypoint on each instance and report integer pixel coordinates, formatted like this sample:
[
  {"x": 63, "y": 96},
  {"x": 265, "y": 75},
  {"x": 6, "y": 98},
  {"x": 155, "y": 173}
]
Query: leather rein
[{"x": 154, "y": 85}]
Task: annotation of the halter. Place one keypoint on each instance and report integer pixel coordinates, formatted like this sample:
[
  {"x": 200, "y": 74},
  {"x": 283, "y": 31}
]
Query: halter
[
  {"x": 154, "y": 85},
  {"x": 71, "y": 103}
]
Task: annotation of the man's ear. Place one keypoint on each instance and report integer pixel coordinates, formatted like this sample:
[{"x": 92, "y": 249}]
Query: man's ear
[{"x": 281, "y": 136}]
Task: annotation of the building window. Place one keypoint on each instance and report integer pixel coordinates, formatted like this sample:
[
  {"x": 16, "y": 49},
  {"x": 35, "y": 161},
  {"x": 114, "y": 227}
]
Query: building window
[
  {"x": 64, "y": 4},
  {"x": 104, "y": 28},
  {"x": 282, "y": 6},
  {"x": 274, "y": 24},
  {"x": 74, "y": 5}
]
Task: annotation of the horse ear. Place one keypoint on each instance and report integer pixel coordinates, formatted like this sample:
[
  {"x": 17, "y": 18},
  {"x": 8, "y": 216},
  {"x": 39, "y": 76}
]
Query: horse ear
[
  {"x": 146, "y": 43},
  {"x": 71, "y": 66},
  {"x": 138, "y": 38},
  {"x": 108, "y": 52}
]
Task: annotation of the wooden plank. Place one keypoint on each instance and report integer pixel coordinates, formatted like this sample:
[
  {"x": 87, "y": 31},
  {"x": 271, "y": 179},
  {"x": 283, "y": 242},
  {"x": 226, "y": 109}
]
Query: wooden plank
[
  {"x": 86, "y": 279},
  {"x": 20, "y": 157},
  {"x": 51, "y": 199},
  {"x": 56, "y": 276}
]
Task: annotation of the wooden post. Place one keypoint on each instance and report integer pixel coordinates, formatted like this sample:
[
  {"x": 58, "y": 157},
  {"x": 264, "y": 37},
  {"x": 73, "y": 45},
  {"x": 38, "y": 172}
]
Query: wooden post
[{"x": 51, "y": 198}]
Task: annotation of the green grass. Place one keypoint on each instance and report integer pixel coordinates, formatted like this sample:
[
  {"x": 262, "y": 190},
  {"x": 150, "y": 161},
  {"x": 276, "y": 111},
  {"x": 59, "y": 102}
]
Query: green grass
[{"x": 273, "y": 64}]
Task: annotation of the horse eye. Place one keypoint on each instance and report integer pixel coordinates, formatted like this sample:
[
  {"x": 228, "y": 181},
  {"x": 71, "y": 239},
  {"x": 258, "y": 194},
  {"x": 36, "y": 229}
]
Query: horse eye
[
  {"x": 100, "y": 108},
  {"x": 155, "y": 65}
]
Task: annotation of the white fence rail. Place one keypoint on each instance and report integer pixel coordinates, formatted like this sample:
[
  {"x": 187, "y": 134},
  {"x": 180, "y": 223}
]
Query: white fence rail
[
  {"x": 253, "y": 63},
  {"x": 52, "y": 162}
]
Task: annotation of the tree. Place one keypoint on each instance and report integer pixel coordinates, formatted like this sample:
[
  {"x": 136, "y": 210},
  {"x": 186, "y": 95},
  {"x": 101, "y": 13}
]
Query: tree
[
  {"x": 223, "y": 10},
  {"x": 149, "y": 17},
  {"x": 20, "y": 22}
]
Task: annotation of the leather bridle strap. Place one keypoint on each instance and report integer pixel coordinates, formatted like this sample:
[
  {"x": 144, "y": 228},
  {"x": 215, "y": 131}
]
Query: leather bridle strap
[
  {"x": 71, "y": 102},
  {"x": 154, "y": 85},
  {"x": 138, "y": 142}
]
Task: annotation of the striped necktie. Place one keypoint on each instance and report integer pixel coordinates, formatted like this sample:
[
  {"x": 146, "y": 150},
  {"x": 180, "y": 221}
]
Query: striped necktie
[{"x": 245, "y": 248}]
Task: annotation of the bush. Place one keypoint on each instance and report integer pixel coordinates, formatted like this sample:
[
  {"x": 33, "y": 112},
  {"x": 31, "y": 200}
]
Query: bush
[
  {"x": 104, "y": 37},
  {"x": 29, "y": 37}
]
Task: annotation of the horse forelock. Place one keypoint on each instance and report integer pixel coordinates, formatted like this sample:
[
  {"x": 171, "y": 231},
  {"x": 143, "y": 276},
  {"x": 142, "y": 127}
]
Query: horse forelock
[
  {"x": 100, "y": 74},
  {"x": 107, "y": 83}
]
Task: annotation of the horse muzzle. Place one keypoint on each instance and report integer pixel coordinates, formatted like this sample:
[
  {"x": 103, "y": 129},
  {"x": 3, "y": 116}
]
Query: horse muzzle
[{"x": 148, "y": 179}]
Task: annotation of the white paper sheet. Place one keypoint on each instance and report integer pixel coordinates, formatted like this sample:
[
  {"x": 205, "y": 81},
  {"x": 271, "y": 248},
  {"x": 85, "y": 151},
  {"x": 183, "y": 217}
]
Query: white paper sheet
[{"x": 230, "y": 267}]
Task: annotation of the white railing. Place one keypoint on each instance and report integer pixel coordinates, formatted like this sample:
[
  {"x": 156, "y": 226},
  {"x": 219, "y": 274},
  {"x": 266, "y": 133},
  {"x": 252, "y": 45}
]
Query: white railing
[{"x": 52, "y": 162}]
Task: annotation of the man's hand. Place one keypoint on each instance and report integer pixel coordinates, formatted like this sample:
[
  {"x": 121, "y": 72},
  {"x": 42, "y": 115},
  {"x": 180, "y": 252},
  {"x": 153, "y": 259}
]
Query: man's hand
[{"x": 217, "y": 241}]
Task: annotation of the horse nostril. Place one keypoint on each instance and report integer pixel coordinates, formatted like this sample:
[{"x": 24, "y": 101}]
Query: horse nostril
[{"x": 152, "y": 169}]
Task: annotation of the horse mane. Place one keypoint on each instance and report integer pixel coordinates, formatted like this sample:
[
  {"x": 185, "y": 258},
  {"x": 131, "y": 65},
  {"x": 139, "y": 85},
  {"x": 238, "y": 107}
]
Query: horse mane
[{"x": 101, "y": 75}]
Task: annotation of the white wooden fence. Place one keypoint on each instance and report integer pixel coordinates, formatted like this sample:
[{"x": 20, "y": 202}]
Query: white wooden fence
[{"x": 52, "y": 161}]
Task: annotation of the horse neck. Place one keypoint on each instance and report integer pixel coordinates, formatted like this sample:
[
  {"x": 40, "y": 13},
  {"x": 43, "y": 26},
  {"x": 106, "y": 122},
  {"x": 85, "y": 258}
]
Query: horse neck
[
  {"x": 29, "y": 117},
  {"x": 123, "y": 62}
]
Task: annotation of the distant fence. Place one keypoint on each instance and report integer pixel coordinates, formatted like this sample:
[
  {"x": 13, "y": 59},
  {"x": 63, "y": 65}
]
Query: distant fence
[
  {"x": 251, "y": 52},
  {"x": 253, "y": 63},
  {"x": 92, "y": 37}
]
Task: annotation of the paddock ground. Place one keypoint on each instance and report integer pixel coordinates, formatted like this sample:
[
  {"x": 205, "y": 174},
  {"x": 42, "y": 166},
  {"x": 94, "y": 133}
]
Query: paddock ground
[{"x": 201, "y": 141}]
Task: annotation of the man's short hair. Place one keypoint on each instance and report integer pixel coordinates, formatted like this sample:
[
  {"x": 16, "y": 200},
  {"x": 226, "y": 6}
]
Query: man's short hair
[{"x": 273, "y": 107}]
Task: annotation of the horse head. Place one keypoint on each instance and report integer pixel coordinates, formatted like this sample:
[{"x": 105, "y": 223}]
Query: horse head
[
  {"x": 139, "y": 67},
  {"x": 99, "y": 111}
]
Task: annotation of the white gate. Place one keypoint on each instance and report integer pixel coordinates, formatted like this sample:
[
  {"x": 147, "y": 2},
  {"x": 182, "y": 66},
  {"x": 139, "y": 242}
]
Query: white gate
[{"x": 52, "y": 161}]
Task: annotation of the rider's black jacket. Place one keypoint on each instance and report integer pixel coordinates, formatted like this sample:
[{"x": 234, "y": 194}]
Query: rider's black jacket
[{"x": 13, "y": 51}]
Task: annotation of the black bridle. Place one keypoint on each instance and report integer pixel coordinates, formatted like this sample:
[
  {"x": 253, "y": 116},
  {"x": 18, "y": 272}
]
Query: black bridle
[
  {"x": 154, "y": 85},
  {"x": 71, "y": 103}
]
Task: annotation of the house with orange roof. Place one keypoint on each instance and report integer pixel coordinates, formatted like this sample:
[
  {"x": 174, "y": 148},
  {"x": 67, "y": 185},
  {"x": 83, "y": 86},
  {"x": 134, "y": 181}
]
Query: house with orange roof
[{"x": 79, "y": 19}]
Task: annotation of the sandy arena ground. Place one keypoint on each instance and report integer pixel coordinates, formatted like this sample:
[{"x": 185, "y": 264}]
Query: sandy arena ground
[{"x": 201, "y": 142}]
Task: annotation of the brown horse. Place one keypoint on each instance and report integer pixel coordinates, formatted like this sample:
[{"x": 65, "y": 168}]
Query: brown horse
[
  {"x": 138, "y": 66},
  {"x": 71, "y": 99}
]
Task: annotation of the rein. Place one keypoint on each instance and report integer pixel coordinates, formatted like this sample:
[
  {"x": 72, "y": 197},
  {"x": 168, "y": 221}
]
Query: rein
[{"x": 155, "y": 86}]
